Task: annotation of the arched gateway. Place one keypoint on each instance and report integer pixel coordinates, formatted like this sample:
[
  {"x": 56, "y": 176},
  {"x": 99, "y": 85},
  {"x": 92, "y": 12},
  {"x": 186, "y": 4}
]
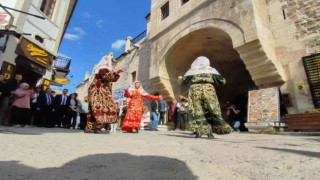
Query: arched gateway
[{"x": 243, "y": 63}]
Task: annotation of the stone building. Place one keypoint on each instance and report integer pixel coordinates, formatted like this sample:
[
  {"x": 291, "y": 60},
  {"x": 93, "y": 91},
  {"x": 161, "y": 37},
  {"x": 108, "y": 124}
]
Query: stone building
[
  {"x": 253, "y": 44},
  {"x": 30, "y": 42}
]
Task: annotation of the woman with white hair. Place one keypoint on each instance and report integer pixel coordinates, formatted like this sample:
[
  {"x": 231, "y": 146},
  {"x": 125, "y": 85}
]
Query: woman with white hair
[
  {"x": 102, "y": 107},
  {"x": 204, "y": 108}
]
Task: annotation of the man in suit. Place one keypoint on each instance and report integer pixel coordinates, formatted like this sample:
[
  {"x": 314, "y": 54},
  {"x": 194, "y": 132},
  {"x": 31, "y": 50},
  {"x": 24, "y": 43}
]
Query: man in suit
[
  {"x": 35, "y": 114},
  {"x": 155, "y": 113},
  {"x": 60, "y": 108},
  {"x": 45, "y": 106},
  {"x": 8, "y": 98}
]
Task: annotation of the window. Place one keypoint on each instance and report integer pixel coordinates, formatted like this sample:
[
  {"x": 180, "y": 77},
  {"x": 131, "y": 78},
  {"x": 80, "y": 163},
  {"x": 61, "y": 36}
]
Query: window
[
  {"x": 47, "y": 7},
  {"x": 284, "y": 14},
  {"x": 39, "y": 38},
  {"x": 184, "y": 1},
  {"x": 134, "y": 76},
  {"x": 165, "y": 10}
]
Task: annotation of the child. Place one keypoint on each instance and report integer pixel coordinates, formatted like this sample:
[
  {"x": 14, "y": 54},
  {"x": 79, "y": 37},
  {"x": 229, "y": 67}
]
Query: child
[{"x": 145, "y": 119}]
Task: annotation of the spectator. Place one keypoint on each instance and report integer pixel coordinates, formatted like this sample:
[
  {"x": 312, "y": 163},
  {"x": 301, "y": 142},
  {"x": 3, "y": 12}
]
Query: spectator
[
  {"x": 235, "y": 116},
  {"x": 83, "y": 110},
  {"x": 123, "y": 112},
  {"x": 60, "y": 105},
  {"x": 163, "y": 111},
  {"x": 182, "y": 114},
  {"x": 145, "y": 122},
  {"x": 35, "y": 114},
  {"x": 172, "y": 111},
  {"x": 155, "y": 113},
  {"x": 4, "y": 97},
  {"x": 113, "y": 126},
  {"x": 8, "y": 98},
  {"x": 20, "y": 111},
  {"x": 46, "y": 109},
  {"x": 72, "y": 105}
]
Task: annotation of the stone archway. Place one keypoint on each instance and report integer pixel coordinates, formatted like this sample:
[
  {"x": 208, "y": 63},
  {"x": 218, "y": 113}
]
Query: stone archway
[
  {"x": 229, "y": 49},
  {"x": 217, "y": 46}
]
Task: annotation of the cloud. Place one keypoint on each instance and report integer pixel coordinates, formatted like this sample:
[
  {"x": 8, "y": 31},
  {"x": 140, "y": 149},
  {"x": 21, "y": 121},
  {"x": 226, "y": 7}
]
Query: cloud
[
  {"x": 99, "y": 23},
  {"x": 77, "y": 33},
  {"x": 71, "y": 37},
  {"x": 79, "y": 30},
  {"x": 87, "y": 15},
  {"x": 118, "y": 44}
]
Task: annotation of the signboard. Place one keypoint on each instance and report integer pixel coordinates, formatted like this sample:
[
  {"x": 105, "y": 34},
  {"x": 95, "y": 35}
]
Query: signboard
[
  {"x": 8, "y": 70},
  {"x": 312, "y": 67},
  {"x": 4, "y": 19},
  {"x": 263, "y": 105},
  {"x": 45, "y": 84},
  {"x": 62, "y": 80},
  {"x": 34, "y": 53}
]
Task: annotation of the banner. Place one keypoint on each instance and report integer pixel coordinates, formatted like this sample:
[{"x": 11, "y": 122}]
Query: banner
[
  {"x": 263, "y": 105},
  {"x": 118, "y": 94}
]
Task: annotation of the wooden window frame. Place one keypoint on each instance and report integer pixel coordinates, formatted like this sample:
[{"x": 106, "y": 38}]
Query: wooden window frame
[
  {"x": 184, "y": 2},
  {"x": 165, "y": 10},
  {"x": 46, "y": 9}
]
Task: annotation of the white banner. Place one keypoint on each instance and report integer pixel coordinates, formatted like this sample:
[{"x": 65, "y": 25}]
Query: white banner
[{"x": 118, "y": 94}]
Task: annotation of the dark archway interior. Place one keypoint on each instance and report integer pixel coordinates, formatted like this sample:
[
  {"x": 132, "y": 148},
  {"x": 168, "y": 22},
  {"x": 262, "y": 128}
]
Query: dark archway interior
[{"x": 217, "y": 46}]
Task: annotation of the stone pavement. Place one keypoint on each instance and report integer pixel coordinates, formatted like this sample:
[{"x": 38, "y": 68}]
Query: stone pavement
[{"x": 39, "y": 153}]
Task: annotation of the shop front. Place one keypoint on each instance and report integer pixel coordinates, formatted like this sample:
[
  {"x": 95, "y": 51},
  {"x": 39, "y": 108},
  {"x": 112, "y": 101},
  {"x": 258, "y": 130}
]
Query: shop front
[{"x": 32, "y": 61}]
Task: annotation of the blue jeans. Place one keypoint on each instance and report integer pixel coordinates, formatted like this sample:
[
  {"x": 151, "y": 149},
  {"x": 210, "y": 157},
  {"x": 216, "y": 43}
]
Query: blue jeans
[
  {"x": 155, "y": 120},
  {"x": 236, "y": 125}
]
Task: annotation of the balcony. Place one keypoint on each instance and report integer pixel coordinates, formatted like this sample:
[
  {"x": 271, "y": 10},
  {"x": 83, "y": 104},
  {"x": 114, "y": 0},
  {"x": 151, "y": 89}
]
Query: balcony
[
  {"x": 139, "y": 37},
  {"x": 61, "y": 67}
]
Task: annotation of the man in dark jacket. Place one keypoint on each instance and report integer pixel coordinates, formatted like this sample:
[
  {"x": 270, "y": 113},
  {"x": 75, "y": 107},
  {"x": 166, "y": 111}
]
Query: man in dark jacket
[
  {"x": 45, "y": 106},
  {"x": 4, "y": 97},
  {"x": 8, "y": 98},
  {"x": 60, "y": 108}
]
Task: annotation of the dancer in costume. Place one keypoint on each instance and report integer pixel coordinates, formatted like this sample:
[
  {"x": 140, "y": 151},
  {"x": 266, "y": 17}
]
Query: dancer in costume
[
  {"x": 102, "y": 107},
  {"x": 134, "y": 113},
  {"x": 204, "y": 108}
]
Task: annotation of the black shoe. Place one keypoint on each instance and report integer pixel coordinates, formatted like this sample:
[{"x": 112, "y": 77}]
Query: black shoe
[
  {"x": 210, "y": 136},
  {"x": 198, "y": 135}
]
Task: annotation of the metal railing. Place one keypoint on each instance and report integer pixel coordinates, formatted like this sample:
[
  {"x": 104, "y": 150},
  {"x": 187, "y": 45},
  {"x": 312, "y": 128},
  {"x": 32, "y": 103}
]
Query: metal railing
[
  {"x": 139, "y": 37},
  {"x": 62, "y": 62}
]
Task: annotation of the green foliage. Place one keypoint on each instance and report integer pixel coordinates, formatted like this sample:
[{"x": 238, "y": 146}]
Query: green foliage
[{"x": 271, "y": 131}]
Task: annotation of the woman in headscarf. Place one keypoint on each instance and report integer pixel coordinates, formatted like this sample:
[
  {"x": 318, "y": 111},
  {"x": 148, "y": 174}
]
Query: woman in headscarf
[
  {"x": 135, "y": 109},
  {"x": 20, "y": 112},
  {"x": 102, "y": 108},
  {"x": 204, "y": 108}
]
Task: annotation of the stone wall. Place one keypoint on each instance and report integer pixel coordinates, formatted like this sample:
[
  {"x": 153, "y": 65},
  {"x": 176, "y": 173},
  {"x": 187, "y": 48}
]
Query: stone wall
[{"x": 295, "y": 32}]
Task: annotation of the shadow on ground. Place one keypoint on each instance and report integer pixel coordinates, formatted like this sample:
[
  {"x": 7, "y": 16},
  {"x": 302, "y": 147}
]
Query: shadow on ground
[
  {"x": 103, "y": 166},
  {"x": 35, "y": 130},
  {"x": 299, "y": 152}
]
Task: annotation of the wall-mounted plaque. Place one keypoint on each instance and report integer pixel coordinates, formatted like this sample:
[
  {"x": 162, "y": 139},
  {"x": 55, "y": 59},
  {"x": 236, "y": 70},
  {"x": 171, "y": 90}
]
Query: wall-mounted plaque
[{"x": 312, "y": 67}]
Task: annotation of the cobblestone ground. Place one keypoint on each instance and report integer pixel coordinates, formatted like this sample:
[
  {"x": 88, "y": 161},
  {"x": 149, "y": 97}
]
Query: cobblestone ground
[{"x": 39, "y": 153}]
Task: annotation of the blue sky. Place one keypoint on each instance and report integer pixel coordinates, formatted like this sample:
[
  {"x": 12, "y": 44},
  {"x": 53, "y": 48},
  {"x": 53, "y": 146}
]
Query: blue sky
[{"x": 98, "y": 27}]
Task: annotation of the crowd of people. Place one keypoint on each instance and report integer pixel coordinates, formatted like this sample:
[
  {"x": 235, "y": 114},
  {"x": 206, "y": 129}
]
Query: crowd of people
[
  {"x": 200, "y": 112},
  {"x": 22, "y": 106}
]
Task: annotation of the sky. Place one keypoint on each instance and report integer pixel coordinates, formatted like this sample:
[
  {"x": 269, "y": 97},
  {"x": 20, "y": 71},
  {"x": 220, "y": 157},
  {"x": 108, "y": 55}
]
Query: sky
[{"x": 98, "y": 27}]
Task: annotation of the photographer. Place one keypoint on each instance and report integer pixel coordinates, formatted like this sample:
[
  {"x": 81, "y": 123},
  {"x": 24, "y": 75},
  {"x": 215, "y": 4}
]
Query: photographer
[{"x": 235, "y": 116}]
